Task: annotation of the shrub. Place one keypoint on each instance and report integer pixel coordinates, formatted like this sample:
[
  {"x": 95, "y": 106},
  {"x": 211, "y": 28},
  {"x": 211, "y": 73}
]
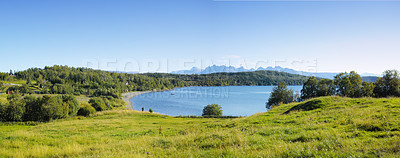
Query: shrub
[
  {"x": 98, "y": 104},
  {"x": 85, "y": 110},
  {"x": 14, "y": 110},
  {"x": 33, "y": 109},
  {"x": 212, "y": 110},
  {"x": 72, "y": 104},
  {"x": 142, "y": 108},
  {"x": 2, "y": 112},
  {"x": 151, "y": 110},
  {"x": 54, "y": 108}
]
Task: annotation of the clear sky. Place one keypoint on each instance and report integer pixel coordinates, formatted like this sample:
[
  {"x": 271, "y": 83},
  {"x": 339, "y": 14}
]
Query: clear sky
[{"x": 166, "y": 35}]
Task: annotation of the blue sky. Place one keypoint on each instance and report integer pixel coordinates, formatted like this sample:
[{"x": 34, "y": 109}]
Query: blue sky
[{"x": 162, "y": 36}]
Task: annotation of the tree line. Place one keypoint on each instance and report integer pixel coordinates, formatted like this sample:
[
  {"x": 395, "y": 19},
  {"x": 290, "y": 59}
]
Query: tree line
[
  {"x": 83, "y": 81},
  {"x": 255, "y": 78},
  {"x": 343, "y": 84},
  {"x": 351, "y": 85}
]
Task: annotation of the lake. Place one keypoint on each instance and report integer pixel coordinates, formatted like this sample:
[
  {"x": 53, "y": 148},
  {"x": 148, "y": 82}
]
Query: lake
[{"x": 234, "y": 100}]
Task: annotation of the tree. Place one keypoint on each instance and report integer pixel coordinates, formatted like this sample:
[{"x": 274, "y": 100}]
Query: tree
[
  {"x": 388, "y": 85},
  {"x": 325, "y": 87},
  {"x": 151, "y": 110},
  {"x": 367, "y": 89},
  {"x": 33, "y": 109},
  {"x": 310, "y": 88},
  {"x": 348, "y": 84},
  {"x": 212, "y": 110},
  {"x": 53, "y": 108},
  {"x": 379, "y": 90},
  {"x": 280, "y": 95}
]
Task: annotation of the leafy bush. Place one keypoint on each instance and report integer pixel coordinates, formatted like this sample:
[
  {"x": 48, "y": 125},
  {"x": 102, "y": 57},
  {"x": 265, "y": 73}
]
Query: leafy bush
[
  {"x": 98, "y": 104},
  {"x": 33, "y": 109},
  {"x": 212, "y": 110},
  {"x": 54, "y": 108},
  {"x": 13, "y": 111},
  {"x": 151, "y": 110},
  {"x": 85, "y": 110},
  {"x": 72, "y": 104},
  {"x": 41, "y": 109}
]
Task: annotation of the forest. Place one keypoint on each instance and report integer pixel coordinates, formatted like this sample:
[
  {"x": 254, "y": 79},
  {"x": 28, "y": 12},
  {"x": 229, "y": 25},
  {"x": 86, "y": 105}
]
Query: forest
[
  {"x": 83, "y": 81},
  {"x": 51, "y": 93}
]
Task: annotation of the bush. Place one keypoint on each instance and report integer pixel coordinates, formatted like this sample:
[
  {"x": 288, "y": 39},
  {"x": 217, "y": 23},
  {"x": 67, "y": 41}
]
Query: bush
[
  {"x": 72, "y": 104},
  {"x": 212, "y": 110},
  {"x": 14, "y": 110},
  {"x": 54, "y": 108},
  {"x": 98, "y": 104},
  {"x": 33, "y": 109},
  {"x": 86, "y": 110},
  {"x": 151, "y": 110},
  {"x": 2, "y": 112}
]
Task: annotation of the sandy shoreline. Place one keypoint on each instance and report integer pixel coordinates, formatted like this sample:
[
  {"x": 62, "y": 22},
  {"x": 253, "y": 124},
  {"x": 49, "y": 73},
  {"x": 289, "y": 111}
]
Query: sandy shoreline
[{"x": 128, "y": 96}]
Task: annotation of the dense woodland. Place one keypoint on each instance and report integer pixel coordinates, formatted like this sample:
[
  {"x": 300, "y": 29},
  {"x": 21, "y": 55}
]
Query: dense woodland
[{"x": 77, "y": 81}]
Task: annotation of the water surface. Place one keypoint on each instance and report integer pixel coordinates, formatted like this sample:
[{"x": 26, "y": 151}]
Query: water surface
[{"x": 234, "y": 100}]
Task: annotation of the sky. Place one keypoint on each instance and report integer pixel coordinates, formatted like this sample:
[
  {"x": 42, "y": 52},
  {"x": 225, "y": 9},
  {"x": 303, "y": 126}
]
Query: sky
[{"x": 163, "y": 36}]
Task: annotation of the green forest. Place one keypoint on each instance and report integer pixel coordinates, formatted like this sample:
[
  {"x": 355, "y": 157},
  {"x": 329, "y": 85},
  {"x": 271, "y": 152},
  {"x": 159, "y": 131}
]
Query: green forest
[
  {"x": 61, "y": 92},
  {"x": 83, "y": 81}
]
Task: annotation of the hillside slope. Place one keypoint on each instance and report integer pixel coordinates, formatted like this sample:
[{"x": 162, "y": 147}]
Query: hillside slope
[{"x": 321, "y": 127}]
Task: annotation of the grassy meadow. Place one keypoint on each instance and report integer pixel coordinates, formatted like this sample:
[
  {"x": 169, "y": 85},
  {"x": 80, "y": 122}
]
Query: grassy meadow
[{"x": 321, "y": 127}]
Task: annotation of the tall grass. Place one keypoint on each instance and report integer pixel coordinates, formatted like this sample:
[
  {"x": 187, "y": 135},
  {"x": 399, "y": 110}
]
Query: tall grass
[{"x": 338, "y": 127}]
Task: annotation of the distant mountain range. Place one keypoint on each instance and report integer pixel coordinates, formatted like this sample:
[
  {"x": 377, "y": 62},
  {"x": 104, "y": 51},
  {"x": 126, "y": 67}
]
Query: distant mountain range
[{"x": 222, "y": 68}]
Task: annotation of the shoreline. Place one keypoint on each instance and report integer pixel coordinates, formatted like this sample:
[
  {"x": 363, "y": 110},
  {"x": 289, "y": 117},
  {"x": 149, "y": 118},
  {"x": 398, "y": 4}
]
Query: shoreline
[{"x": 128, "y": 96}]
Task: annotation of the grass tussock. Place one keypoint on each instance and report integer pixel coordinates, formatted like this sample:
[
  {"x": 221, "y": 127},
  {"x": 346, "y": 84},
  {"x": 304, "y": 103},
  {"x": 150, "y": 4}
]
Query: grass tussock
[{"x": 321, "y": 127}]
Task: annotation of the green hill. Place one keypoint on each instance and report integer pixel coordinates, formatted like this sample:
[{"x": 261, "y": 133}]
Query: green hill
[{"x": 321, "y": 127}]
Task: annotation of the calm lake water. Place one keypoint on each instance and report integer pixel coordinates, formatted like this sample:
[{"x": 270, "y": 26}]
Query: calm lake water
[{"x": 234, "y": 100}]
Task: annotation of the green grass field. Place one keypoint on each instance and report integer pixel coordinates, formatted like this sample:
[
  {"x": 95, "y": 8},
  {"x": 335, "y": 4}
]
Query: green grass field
[{"x": 321, "y": 127}]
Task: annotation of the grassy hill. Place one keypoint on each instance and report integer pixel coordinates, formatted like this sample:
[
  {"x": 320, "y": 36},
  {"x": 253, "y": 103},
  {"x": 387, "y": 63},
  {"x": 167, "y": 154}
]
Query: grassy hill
[{"x": 321, "y": 127}]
